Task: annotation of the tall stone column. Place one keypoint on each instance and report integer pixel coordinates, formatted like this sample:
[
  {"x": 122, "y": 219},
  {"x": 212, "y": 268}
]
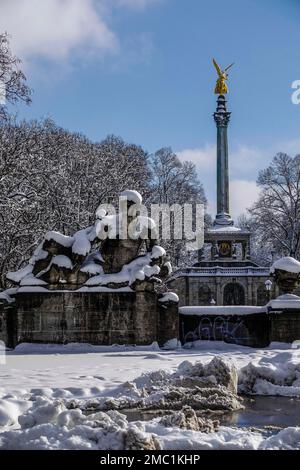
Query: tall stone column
[{"x": 222, "y": 117}]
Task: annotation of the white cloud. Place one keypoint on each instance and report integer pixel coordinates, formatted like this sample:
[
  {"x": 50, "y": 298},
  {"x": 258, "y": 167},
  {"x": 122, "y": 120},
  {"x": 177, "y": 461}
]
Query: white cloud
[
  {"x": 242, "y": 194},
  {"x": 244, "y": 165},
  {"x": 204, "y": 158},
  {"x": 136, "y": 4},
  {"x": 292, "y": 147},
  {"x": 245, "y": 161},
  {"x": 65, "y": 30},
  {"x": 56, "y": 29}
]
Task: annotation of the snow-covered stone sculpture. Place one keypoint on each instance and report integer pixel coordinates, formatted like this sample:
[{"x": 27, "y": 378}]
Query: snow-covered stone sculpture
[
  {"x": 97, "y": 256},
  {"x": 118, "y": 254},
  {"x": 286, "y": 273},
  {"x": 284, "y": 311}
]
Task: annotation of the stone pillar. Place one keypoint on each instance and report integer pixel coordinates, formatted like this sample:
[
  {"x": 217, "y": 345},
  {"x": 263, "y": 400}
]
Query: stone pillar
[
  {"x": 222, "y": 117},
  {"x": 145, "y": 315},
  {"x": 249, "y": 291},
  {"x": 247, "y": 250},
  {"x": 168, "y": 322},
  {"x": 219, "y": 298}
]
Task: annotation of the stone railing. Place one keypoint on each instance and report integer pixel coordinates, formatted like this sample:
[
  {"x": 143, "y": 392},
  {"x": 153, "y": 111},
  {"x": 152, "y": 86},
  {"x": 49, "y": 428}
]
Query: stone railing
[{"x": 221, "y": 271}]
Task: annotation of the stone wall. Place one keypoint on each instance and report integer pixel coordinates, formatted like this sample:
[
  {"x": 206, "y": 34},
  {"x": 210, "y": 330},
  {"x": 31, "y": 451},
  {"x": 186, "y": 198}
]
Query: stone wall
[
  {"x": 7, "y": 325},
  {"x": 285, "y": 326},
  {"x": 97, "y": 318}
]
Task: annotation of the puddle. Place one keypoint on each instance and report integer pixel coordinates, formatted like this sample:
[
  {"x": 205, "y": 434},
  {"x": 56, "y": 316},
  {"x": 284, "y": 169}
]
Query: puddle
[
  {"x": 263, "y": 411},
  {"x": 260, "y": 411}
]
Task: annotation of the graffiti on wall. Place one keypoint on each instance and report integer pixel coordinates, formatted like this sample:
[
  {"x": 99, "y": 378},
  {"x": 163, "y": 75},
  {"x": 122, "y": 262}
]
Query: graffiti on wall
[{"x": 220, "y": 328}]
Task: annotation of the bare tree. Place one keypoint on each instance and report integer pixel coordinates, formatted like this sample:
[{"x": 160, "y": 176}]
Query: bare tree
[
  {"x": 175, "y": 182},
  {"x": 12, "y": 79},
  {"x": 51, "y": 179},
  {"x": 275, "y": 216}
]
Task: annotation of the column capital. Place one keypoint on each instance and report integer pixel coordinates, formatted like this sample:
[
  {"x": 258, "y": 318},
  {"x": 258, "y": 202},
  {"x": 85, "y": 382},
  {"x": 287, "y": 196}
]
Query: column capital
[{"x": 221, "y": 116}]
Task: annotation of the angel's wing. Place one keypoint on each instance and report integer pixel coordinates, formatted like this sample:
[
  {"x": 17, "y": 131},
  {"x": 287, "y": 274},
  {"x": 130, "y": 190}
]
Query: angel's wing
[
  {"x": 229, "y": 66},
  {"x": 217, "y": 68}
]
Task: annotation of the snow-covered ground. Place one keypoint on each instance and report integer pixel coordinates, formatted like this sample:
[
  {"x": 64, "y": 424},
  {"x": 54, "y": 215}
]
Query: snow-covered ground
[{"x": 38, "y": 380}]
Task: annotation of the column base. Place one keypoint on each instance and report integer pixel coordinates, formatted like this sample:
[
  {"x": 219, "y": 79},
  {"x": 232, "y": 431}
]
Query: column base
[{"x": 223, "y": 219}]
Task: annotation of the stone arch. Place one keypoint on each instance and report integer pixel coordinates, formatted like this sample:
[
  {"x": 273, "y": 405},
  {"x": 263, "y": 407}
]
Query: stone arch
[
  {"x": 204, "y": 295},
  {"x": 234, "y": 294},
  {"x": 262, "y": 295}
]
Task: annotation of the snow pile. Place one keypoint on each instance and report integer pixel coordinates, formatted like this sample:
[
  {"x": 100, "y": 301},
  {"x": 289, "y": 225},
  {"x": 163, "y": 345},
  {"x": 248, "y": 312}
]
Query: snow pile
[
  {"x": 286, "y": 263},
  {"x": 71, "y": 430},
  {"x": 221, "y": 310},
  {"x": 173, "y": 343},
  {"x": 286, "y": 301},
  {"x": 277, "y": 375},
  {"x": 140, "y": 268},
  {"x": 10, "y": 410},
  {"x": 82, "y": 244},
  {"x": 62, "y": 262},
  {"x": 211, "y": 386},
  {"x": 169, "y": 297},
  {"x": 132, "y": 196},
  {"x": 81, "y": 348},
  {"x": 31, "y": 280},
  {"x": 8, "y": 295},
  {"x": 186, "y": 418},
  {"x": 17, "y": 276},
  {"x": 287, "y": 439},
  {"x": 49, "y": 425}
]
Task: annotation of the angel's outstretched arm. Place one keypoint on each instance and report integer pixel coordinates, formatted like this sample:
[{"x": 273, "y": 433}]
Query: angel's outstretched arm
[{"x": 229, "y": 66}]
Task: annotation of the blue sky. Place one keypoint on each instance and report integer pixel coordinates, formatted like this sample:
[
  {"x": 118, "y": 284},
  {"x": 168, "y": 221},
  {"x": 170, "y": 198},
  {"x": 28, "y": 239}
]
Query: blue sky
[{"x": 142, "y": 69}]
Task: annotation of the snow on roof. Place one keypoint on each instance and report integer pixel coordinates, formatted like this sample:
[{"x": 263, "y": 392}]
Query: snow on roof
[
  {"x": 285, "y": 301},
  {"x": 224, "y": 228},
  {"x": 169, "y": 297},
  {"x": 286, "y": 263},
  {"x": 221, "y": 310},
  {"x": 63, "y": 240},
  {"x": 132, "y": 196}
]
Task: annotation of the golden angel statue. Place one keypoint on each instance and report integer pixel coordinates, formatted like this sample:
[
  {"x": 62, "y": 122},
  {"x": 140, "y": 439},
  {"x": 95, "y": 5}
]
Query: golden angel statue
[{"x": 221, "y": 86}]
